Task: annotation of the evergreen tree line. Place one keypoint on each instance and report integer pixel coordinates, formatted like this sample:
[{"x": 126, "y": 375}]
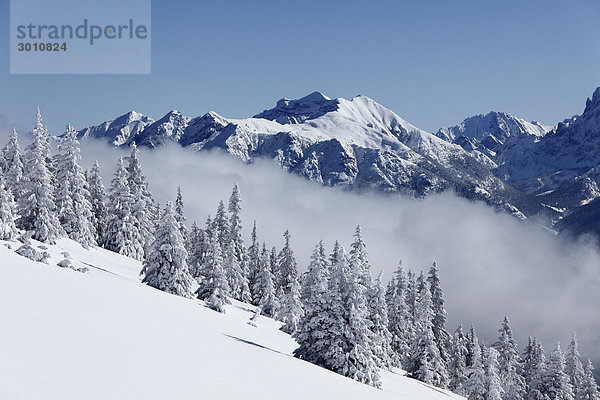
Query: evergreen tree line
[
  {"x": 342, "y": 318},
  {"x": 50, "y": 196}
]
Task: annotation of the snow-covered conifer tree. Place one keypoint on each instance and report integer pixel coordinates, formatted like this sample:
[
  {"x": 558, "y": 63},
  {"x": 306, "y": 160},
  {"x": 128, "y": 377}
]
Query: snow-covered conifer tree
[
  {"x": 426, "y": 363},
  {"x": 221, "y": 225},
  {"x": 316, "y": 275},
  {"x": 253, "y": 264},
  {"x": 214, "y": 288},
  {"x": 471, "y": 343},
  {"x": 400, "y": 319},
  {"x": 179, "y": 215},
  {"x": 382, "y": 339},
  {"x": 198, "y": 243},
  {"x": 165, "y": 266},
  {"x": 359, "y": 259},
  {"x": 235, "y": 236},
  {"x": 8, "y": 230},
  {"x": 390, "y": 291},
  {"x": 72, "y": 196},
  {"x": 237, "y": 282},
  {"x": 458, "y": 360},
  {"x": 590, "y": 388},
  {"x": 574, "y": 368},
  {"x": 333, "y": 257},
  {"x": 326, "y": 345},
  {"x": 13, "y": 165},
  {"x": 97, "y": 199},
  {"x": 474, "y": 387},
  {"x": 361, "y": 363},
  {"x": 493, "y": 384},
  {"x": 264, "y": 286},
  {"x": 36, "y": 204},
  {"x": 535, "y": 370},
  {"x": 411, "y": 294},
  {"x": 556, "y": 382},
  {"x": 314, "y": 295},
  {"x": 287, "y": 266},
  {"x": 274, "y": 266},
  {"x": 143, "y": 208},
  {"x": 291, "y": 308},
  {"x": 442, "y": 337},
  {"x": 213, "y": 281},
  {"x": 122, "y": 228},
  {"x": 513, "y": 383}
]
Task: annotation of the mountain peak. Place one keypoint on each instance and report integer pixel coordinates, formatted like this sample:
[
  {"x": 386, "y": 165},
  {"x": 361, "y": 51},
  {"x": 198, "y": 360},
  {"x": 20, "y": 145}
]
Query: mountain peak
[
  {"x": 314, "y": 97},
  {"x": 289, "y": 111},
  {"x": 594, "y": 102}
]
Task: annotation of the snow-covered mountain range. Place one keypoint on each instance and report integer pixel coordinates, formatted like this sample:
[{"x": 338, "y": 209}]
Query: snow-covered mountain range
[{"x": 525, "y": 168}]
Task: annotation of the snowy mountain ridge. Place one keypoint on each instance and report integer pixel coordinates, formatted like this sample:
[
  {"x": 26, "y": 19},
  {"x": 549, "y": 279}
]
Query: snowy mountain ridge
[
  {"x": 522, "y": 167},
  {"x": 355, "y": 143}
]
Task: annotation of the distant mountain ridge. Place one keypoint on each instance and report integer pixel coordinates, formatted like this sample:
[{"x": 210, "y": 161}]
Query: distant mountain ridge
[{"x": 518, "y": 166}]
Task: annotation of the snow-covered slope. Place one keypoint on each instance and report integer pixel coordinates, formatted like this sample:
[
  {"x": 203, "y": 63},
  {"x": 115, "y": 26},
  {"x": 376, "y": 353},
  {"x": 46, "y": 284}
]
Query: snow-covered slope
[
  {"x": 104, "y": 335},
  {"x": 355, "y": 143}
]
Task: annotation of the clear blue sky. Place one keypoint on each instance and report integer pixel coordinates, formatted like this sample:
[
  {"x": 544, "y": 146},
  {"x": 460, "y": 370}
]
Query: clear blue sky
[{"x": 432, "y": 62}]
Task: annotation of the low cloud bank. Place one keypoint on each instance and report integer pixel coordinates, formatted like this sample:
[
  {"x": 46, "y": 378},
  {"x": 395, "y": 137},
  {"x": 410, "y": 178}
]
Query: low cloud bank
[{"x": 491, "y": 265}]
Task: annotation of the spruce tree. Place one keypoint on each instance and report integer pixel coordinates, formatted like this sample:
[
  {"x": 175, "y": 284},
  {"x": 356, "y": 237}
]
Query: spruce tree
[
  {"x": 237, "y": 283},
  {"x": 235, "y": 237},
  {"x": 8, "y": 230},
  {"x": 400, "y": 319},
  {"x": 73, "y": 207},
  {"x": 316, "y": 275},
  {"x": 264, "y": 286},
  {"x": 441, "y": 335},
  {"x": 36, "y": 204},
  {"x": 426, "y": 363},
  {"x": 556, "y": 382},
  {"x": 390, "y": 291},
  {"x": 315, "y": 318},
  {"x": 221, "y": 225},
  {"x": 359, "y": 259},
  {"x": 286, "y": 266},
  {"x": 213, "y": 286},
  {"x": 458, "y": 360},
  {"x": 471, "y": 343},
  {"x": 180, "y": 217},
  {"x": 474, "y": 387},
  {"x": 411, "y": 294},
  {"x": 493, "y": 383},
  {"x": 382, "y": 339},
  {"x": 198, "y": 243},
  {"x": 122, "y": 228},
  {"x": 590, "y": 388},
  {"x": 574, "y": 368},
  {"x": 12, "y": 165},
  {"x": 97, "y": 199},
  {"x": 165, "y": 266},
  {"x": 513, "y": 383},
  {"x": 535, "y": 370},
  {"x": 327, "y": 344},
  {"x": 291, "y": 308},
  {"x": 253, "y": 264},
  {"x": 143, "y": 209},
  {"x": 333, "y": 257},
  {"x": 361, "y": 362}
]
